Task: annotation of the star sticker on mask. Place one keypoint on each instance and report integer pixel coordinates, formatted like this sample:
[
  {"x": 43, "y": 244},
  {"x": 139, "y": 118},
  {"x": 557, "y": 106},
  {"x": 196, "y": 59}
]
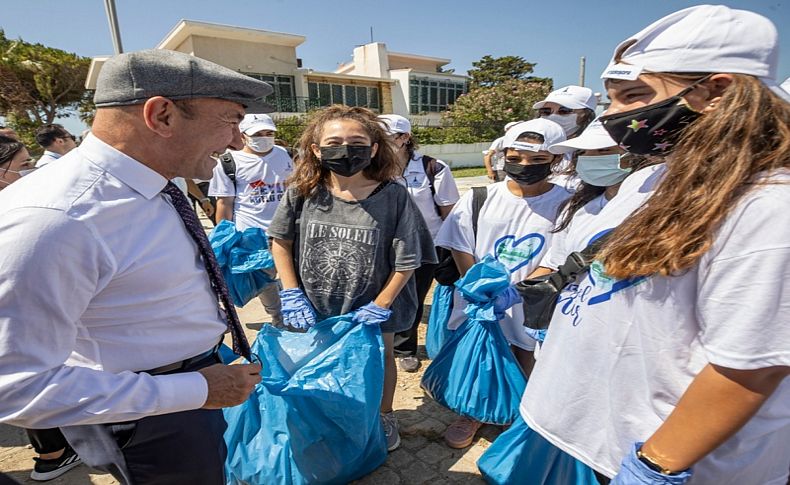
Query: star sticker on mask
[
  {"x": 659, "y": 132},
  {"x": 662, "y": 146},
  {"x": 638, "y": 125}
]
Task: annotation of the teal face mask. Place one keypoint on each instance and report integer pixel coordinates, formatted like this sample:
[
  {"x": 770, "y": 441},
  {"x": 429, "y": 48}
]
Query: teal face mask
[{"x": 601, "y": 171}]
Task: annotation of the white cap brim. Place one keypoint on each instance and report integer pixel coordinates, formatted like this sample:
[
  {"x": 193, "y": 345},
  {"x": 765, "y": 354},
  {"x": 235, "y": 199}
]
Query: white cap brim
[
  {"x": 595, "y": 137},
  {"x": 255, "y": 128}
]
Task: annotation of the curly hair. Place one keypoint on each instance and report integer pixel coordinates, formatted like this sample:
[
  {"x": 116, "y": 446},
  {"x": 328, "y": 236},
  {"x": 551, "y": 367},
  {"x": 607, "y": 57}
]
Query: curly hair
[
  {"x": 308, "y": 171},
  {"x": 9, "y": 147},
  {"x": 717, "y": 161}
]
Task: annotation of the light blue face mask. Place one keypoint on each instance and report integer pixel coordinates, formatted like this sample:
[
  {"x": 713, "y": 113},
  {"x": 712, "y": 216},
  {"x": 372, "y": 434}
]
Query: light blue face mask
[{"x": 602, "y": 170}]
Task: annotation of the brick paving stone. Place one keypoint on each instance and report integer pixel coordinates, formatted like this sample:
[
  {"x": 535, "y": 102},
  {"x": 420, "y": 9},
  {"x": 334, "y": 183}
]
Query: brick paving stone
[
  {"x": 382, "y": 476},
  {"x": 428, "y": 427},
  {"x": 417, "y": 473},
  {"x": 434, "y": 453},
  {"x": 399, "y": 458},
  {"x": 413, "y": 442}
]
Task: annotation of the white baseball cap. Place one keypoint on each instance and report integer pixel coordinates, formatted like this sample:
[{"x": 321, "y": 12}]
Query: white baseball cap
[
  {"x": 551, "y": 131},
  {"x": 511, "y": 125},
  {"x": 705, "y": 38},
  {"x": 594, "y": 137},
  {"x": 395, "y": 124},
  {"x": 573, "y": 97},
  {"x": 254, "y": 123}
]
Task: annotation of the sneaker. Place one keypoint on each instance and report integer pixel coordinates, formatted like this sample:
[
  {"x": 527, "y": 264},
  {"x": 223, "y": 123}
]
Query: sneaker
[
  {"x": 461, "y": 433},
  {"x": 390, "y": 423},
  {"x": 48, "y": 469},
  {"x": 410, "y": 363}
]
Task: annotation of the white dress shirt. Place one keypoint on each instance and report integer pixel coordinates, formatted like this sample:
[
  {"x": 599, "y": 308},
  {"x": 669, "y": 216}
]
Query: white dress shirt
[
  {"x": 47, "y": 158},
  {"x": 98, "y": 279}
]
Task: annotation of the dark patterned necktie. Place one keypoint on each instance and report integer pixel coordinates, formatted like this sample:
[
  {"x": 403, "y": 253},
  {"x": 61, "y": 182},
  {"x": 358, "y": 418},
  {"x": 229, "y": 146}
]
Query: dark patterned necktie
[{"x": 195, "y": 229}]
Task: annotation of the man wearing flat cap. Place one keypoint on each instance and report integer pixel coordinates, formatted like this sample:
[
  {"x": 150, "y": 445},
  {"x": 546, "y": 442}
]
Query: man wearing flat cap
[{"x": 112, "y": 306}]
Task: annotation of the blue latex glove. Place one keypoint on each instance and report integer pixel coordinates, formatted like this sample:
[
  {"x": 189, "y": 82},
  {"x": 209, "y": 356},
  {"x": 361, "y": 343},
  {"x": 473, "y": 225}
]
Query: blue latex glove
[
  {"x": 634, "y": 472},
  {"x": 505, "y": 300},
  {"x": 296, "y": 309},
  {"x": 539, "y": 335},
  {"x": 372, "y": 314}
]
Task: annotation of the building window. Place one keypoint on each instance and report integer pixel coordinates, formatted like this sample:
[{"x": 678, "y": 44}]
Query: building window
[
  {"x": 432, "y": 95},
  {"x": 325, "y": 94},
  {"x": 283, "y": 98}
]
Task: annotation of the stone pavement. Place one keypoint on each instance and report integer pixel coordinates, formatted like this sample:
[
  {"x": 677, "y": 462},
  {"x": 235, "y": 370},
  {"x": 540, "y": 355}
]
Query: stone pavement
[{"x": 423, "y": 458}]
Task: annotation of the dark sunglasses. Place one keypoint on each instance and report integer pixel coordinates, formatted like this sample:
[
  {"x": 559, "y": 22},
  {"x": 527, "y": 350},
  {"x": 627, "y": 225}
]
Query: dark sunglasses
[{"x": 562, "y": 110}]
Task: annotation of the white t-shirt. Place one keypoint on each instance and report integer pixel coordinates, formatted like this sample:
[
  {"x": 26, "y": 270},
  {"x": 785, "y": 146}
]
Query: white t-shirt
[
  {"x": 569, "y": 182},
  {"x": 619, "y": 354},
  {"x": 415, "y": 180},
  {"x": 516, "y": 230},
  {"x": 259, "y": 187},
  {"x": 498, "y": 157},
  {"x": 560, "y": 247}
]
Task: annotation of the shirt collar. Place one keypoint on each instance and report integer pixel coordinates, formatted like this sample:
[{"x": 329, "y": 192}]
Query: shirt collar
[
  {"x": 54, "y": 155},
  {"x": 139, "y": 177}
]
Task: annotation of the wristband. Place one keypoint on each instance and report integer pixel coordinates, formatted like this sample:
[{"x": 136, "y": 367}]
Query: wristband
[
  {"x": 204, "y": 200},
  {"x": 652, "y": 464}
]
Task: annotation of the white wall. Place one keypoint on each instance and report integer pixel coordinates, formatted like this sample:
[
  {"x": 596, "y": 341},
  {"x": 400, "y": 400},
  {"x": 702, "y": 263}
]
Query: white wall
[
  {"x": 400, "y": 92},
  {"x": 458, "y": 155}
]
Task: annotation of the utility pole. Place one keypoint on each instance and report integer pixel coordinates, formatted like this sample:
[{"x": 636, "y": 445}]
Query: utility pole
[
  {"x": 115, "y": 32},
  {"x": 582, "y": 63},
  {"x": 371, "y": 34}
]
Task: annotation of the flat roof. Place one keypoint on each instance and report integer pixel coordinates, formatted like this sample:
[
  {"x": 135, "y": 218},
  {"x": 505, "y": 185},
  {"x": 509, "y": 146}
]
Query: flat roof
[
  {"x": 93, "y": 71},
  {"x": 185, "y": 28},
  {"x": 349, "y": 77},
  {"x": 414, "y": 57}
]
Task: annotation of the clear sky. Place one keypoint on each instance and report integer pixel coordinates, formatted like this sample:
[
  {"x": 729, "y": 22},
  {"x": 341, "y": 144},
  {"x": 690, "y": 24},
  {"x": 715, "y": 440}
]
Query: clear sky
[{"x": 554, "y": 34}]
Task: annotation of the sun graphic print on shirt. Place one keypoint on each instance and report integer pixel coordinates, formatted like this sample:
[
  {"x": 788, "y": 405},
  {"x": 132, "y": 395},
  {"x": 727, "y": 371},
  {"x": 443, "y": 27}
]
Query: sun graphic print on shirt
[
  {"x": 338, "y": 259},
  {"x": 516, "y": 253}
]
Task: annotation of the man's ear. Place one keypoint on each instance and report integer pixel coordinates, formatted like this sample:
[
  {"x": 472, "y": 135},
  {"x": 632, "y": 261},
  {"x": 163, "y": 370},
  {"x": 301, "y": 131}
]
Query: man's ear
[{"x": 160, "y": 115}]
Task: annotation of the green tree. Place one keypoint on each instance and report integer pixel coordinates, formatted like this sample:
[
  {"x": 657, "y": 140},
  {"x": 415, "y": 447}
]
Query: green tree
[
  {"x": 491, "y": 71},
  {"x": 480, "y": 114},
  {"x": 38, "y": 84}
]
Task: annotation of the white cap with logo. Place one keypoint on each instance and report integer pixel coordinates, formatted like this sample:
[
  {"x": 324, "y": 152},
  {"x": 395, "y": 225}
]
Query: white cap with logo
[
  {"x": 572, "y": 97},
  {"x": 552, "y": 134},
  {"x": 252, "y": 124},
  {"x": 702, "y": 39},
  {"x": 594, "y": 137},
  {"x": 395, "y": 124}
]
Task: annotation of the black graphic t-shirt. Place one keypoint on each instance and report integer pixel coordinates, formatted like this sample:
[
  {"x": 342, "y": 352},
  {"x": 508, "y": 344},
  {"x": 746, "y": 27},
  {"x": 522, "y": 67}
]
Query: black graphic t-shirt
[{"x": 346, "y": 250}]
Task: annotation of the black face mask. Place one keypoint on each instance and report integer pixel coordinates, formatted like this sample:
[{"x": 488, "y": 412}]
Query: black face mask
[
  {"x": 346, "y": 160},
  {"x": 653, "y": 129},
  {"x": 527, "y": 174}
]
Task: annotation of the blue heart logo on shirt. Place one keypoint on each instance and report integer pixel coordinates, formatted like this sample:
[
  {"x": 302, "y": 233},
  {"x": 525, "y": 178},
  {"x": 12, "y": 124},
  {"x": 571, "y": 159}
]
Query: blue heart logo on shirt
[{"x": 516, "y": 253}]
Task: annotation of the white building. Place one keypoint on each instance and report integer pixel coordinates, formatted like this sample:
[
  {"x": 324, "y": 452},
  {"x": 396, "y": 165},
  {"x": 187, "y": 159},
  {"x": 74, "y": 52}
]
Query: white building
[{"x": 388, "y": 82}]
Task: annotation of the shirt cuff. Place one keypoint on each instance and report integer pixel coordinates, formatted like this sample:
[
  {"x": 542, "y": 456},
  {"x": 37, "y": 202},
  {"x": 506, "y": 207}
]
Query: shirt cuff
[{"x": 181, "y": 392}]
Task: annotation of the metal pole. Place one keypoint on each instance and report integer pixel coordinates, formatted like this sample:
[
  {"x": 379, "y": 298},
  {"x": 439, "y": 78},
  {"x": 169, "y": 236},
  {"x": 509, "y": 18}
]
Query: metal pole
[
  {"x": 582, "y": 63},
  {"x": 115, "y": 32}
]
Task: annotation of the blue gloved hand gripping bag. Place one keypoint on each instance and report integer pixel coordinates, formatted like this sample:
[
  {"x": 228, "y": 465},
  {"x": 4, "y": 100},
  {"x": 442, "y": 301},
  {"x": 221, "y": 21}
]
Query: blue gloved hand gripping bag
[
  {"x": 242, "y": 256},
  {"x": 441, "y": 307},
  {"x": 475, "y": 374},
  {"x": 314, "y": 418}
]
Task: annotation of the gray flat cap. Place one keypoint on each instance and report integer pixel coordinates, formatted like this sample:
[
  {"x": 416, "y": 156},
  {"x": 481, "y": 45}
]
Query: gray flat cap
[{"x": 134, "y": 77}]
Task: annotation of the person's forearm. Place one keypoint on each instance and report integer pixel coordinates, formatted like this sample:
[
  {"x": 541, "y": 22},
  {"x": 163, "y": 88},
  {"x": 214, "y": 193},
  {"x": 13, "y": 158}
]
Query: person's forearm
[
  {"x": 194, "y": 190},
  {"x": 225, "y": 208},
  {"x": 540, "y": 271},
  {"x": 487, "y": 162},
  {"x": 715, "y": 406},
  {"x": 392, "y": 288},
  {"x": 444, "y": 210},
  {"x": 282, "y": 252},
  {"x": 463, "y": 261}
]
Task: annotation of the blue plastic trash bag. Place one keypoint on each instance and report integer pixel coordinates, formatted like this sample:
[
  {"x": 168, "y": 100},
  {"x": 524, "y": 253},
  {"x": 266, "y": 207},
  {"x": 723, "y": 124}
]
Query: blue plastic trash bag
[
  {"x": 441, "y": 307},
  {"x": 242, "y": 257},
  {"x": 475, "y": 373},
  {"x": 314, "y": 418},
  {"x": 521, "y": 456}
]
